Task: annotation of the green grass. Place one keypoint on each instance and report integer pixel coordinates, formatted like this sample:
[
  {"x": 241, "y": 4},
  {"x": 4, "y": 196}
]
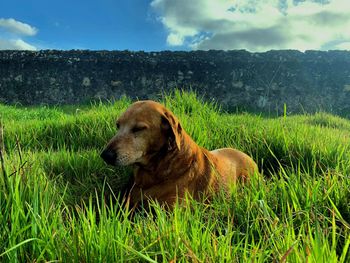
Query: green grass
[{"x": 58, "y": 199}]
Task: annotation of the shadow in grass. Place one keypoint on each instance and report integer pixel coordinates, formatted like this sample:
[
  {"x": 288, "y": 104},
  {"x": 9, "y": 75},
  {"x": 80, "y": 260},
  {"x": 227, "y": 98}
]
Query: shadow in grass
[{"x": 326, "y": 120}]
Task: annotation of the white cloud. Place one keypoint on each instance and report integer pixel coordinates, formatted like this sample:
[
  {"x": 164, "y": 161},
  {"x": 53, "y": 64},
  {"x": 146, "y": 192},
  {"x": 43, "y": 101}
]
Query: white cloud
[
  {"x": 175, "y": 39},
  {"x": 17, "y": 27},
  {"x": 12, "y": 32},
  {"x": 15, "y": 44},
  {"x": 255, "y": 25},
  {"x": 343, "y": 46}
]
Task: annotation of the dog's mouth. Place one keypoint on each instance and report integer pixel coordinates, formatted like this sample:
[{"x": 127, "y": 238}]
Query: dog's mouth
[
  {"x": 112, "y": 158},
  {"x": 122, "y": 160}
]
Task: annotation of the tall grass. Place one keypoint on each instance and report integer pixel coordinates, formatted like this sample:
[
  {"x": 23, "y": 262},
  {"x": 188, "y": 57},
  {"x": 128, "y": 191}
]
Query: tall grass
[{"x": 59, "y": 201}]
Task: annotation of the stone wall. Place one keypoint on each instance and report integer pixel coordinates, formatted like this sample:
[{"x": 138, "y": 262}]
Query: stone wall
[{"x": 262, "y": 82}]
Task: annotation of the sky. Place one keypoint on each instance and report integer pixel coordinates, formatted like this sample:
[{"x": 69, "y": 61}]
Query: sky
[{"x": 155, "y": 25}]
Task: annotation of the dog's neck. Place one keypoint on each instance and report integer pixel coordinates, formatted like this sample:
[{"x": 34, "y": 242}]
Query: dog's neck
[{"x": 167, "y": 164}]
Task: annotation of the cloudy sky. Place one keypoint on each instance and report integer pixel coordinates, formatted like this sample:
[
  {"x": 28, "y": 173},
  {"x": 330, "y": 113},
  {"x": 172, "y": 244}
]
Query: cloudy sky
[{"x": 254, "y": 25}]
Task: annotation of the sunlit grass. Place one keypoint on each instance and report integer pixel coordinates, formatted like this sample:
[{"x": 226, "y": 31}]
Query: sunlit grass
[{"x": 61, "y": 200}]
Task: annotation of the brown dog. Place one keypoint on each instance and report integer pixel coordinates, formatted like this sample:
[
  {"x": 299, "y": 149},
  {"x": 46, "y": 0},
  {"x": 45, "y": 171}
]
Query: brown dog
[{"x": 167, "y": 162}]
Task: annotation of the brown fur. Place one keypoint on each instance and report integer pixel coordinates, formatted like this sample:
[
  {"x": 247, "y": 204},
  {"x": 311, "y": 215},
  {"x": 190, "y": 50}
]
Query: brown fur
[{"x": 167, "y": 162}]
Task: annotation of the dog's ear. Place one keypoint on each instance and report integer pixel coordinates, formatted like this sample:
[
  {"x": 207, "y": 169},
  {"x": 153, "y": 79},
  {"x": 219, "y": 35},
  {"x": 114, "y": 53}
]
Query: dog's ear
[{"x": 172, "y": 127}]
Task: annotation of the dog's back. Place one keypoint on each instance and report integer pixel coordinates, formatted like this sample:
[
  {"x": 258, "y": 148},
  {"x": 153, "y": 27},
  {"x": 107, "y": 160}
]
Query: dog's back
[{"x": 234, "y": 165}]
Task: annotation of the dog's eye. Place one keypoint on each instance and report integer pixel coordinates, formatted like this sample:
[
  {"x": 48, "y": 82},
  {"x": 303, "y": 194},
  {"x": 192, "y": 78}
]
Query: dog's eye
[
  {"x": 118, "y": 125},
  {"x": 138, "y": 129}
]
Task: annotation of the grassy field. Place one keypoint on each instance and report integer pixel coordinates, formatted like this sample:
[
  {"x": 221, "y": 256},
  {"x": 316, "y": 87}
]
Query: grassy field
[{"x": 58, "y": 198}]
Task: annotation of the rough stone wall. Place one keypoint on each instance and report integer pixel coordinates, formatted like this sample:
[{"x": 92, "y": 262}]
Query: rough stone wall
[{"x": 263, "y": 82}]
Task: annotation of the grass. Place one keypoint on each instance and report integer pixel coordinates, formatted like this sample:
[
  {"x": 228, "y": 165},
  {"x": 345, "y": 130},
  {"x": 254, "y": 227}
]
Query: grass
[{"x": 58, "y": 199}]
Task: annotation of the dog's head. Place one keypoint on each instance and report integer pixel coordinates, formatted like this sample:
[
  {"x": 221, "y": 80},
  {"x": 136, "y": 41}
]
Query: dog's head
[{"x": 144, "y": 129}]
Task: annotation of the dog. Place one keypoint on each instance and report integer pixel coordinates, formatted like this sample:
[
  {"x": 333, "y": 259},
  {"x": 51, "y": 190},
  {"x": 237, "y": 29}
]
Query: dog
[{"x": 167, "y": 163}]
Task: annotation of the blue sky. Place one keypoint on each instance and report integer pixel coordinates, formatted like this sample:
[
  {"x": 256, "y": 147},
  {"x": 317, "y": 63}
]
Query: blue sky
[
  {"x": 154, "y": 25},
  {"x": 87, "y": 24}
]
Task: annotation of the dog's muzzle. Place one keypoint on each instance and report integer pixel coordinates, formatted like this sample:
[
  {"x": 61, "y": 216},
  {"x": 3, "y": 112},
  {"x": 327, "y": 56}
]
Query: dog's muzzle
[{"x": 109, "y": 156}]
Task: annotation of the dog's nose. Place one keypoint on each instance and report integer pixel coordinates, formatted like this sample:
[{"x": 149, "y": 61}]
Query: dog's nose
[{"x": 109, "y": 156}]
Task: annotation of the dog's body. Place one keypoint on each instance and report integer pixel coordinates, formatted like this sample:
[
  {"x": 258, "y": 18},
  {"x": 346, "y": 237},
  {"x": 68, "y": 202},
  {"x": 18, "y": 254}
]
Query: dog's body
[{"x": 167, "y": 162}]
